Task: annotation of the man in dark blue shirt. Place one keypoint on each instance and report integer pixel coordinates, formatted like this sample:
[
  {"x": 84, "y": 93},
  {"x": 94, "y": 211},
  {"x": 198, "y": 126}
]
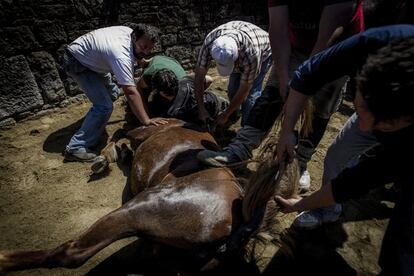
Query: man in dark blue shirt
[{"x": 385, "y": 114}]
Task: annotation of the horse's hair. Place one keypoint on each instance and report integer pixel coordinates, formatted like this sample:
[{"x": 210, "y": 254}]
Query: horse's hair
[{"x": 271, "y": 178}]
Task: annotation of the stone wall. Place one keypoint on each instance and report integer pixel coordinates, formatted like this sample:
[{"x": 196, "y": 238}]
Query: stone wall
[{"x": 33, "y": 34}]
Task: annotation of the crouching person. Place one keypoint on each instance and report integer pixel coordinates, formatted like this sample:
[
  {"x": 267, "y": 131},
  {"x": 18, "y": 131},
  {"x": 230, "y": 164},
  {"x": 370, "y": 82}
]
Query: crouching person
[
  {"x": 384, "y": 104},
  {"x": 176, "y": 98},
  {"x": 90, "y": 60}
]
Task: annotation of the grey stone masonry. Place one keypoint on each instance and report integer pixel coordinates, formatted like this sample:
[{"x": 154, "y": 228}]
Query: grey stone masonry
[
  {"x": 47, "y": 77},
  {"x": 18, "y": 89},
  {"x": 33, "y": 35}
]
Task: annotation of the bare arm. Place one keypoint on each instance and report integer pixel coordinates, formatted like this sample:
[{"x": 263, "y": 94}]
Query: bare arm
[
  {"x": 294, "y": 106},
  {"x": 320, "y": 198},
  {"x": 207, "y": 81},
  {"x": 280, "y": 44},
  {"x": 136, "y": 103}
]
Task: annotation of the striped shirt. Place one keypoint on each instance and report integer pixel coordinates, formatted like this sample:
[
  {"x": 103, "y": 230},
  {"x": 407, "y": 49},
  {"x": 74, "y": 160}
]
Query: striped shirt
[{"x": 253, "y": 44}]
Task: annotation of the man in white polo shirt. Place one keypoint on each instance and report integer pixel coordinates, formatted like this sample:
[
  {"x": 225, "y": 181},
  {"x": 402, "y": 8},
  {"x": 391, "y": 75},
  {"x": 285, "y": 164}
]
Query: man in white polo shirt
[{"x": 90, "y": 60}]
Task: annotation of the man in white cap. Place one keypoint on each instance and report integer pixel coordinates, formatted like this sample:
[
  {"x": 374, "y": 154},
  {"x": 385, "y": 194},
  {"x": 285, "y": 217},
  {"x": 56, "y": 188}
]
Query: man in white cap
[
  {"x": 241, "y": 50},
  {"x": 298, "y": 29}
]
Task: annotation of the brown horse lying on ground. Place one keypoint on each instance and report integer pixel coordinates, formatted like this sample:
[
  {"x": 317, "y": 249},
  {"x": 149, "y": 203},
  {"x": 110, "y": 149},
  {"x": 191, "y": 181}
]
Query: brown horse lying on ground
[{"x": 176, "y": 201}]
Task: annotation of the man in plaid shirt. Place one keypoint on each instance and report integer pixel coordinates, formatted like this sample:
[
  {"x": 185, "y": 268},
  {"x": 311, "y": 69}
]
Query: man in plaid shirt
[
  {"x": 298, "y": 29},
  {"x": 242, "y": 51}
]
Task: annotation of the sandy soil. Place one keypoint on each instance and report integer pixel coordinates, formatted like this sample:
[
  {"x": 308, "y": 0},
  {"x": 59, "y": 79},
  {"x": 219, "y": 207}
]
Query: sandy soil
[{"x": 44, "y": 201}]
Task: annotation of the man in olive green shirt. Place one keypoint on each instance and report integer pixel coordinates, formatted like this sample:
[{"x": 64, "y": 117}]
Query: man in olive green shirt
[
  {"x": 155, "y": 64},
  {"x": 169, "y": 92}
]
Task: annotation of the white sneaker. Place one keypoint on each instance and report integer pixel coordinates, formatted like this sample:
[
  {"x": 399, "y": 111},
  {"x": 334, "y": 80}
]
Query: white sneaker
[
  {"x": 316, "y": 217},
  {"x": 304, "y": 181}
]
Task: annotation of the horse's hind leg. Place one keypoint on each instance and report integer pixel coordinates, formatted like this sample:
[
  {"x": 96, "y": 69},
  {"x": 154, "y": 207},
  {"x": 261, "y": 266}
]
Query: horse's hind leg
[{"x": 114, "y": 226}]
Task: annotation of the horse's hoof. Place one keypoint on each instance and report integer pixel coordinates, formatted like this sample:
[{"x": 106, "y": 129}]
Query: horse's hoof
[{"x": 99, "y": 165}]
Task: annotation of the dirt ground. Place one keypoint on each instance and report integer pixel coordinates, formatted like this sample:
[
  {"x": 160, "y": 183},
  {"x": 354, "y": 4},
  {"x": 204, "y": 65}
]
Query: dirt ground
[{"x": 44, "y": 202}]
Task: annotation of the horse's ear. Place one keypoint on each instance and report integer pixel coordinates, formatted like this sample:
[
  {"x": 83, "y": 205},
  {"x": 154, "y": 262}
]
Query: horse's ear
[{"x": 142, "y": 133}]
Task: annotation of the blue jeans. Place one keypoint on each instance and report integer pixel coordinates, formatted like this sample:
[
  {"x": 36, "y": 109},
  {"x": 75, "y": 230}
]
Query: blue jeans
[
  {"x": 97, "y": 87},
  {"x": 255, "y": 91}
]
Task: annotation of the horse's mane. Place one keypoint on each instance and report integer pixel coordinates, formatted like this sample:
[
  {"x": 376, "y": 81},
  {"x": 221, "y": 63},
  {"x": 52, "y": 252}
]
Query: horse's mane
[{"x": 271, "y": 178}]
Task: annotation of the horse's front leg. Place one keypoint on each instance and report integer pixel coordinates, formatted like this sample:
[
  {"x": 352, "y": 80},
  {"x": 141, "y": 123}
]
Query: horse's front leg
[
  {"x": 114, "y": 226},
  {"x": 111, "y": 154}
]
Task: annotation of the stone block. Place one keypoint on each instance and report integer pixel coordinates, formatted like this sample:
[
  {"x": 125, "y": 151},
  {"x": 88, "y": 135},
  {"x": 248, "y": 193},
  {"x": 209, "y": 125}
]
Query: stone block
[
  {"x": 147, "y": 18},
  {"x": 18, "y": 89},
  {"x": 7, "y": 123},
  {"x": 168, "y": 40},
  {"x": 71, "y": 86},
  {"x": 47, "y": 77},
  {"x": 54, "y": 11},
  {"x": 50, "y": 33},
  {"x": 192, "y": 18},
  {"x": 171, "y": 15},
  {"x": 182, "y": 54},
  {"x": 191, "y": 36},
  {"x": 16, "y": 40}
]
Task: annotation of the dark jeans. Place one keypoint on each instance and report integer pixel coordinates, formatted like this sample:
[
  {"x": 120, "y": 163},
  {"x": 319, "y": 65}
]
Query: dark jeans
[{"x": 266, "y": 109}]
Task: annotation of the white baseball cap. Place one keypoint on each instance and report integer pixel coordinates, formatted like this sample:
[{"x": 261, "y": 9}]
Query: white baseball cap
[{"x": 224, "y": 51}]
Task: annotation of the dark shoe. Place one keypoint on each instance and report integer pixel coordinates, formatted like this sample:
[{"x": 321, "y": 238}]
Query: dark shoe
[
  {"x": 80, "y": 155},
  {"x": 217, "y": 158}
]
